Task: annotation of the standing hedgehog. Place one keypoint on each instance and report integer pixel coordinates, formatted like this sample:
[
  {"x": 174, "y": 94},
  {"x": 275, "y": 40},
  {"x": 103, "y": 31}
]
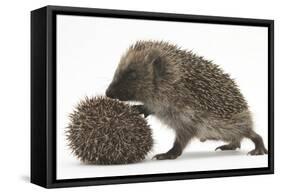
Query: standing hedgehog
[{"x": 188, "y": 93}]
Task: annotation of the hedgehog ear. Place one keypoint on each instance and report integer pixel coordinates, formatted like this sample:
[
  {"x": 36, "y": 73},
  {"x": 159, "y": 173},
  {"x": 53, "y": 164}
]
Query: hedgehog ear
[{"x": 157, "y": 61}]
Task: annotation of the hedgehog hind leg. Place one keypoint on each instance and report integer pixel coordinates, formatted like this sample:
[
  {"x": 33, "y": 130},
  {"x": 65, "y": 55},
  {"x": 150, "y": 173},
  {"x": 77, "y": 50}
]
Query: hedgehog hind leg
[{"x": 259, "y": 145}]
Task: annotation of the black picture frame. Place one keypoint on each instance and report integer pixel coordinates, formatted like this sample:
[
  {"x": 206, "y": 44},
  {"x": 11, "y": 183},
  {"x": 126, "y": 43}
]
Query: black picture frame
[{"x": 43, "y": 95}]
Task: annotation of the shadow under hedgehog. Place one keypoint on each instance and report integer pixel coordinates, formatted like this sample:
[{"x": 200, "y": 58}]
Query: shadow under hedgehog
[{"x": 186, "y": 92}]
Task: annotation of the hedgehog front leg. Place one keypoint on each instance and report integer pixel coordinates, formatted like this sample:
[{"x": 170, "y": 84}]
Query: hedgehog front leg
[
  {"x": 173, "y": 153},
  {"x": 177, "y": 149},
  {"x": 231, "y": 146},
  {"x": 142, "y": 110}
]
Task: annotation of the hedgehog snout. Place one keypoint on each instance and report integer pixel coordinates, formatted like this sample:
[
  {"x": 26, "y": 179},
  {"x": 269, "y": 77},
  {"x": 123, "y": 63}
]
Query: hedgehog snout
[
  {"x": 119, "y": 94},
  {"x": 110, "y": 92},
  {"x": 113, "y": 91}
]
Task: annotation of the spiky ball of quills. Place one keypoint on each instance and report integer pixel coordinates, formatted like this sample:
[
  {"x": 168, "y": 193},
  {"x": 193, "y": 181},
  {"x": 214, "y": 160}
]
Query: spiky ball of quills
[{"x": 106, "y": 131}]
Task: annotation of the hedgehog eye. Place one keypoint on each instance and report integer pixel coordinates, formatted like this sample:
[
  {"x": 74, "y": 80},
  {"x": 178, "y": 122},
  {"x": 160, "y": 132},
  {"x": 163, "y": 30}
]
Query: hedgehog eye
[{"x": 132, "y": 75}]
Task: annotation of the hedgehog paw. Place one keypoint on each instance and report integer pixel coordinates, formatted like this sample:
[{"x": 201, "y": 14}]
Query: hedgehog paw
[
  {"x": 165, "y": 156},
  {"x": 258, "y": 151},
  {"x": 142, "y": 110},
  {"x": 228, "y": 147}
]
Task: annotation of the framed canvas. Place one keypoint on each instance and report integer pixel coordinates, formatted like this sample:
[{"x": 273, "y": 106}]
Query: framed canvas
[{"x": 129, "y": 96}]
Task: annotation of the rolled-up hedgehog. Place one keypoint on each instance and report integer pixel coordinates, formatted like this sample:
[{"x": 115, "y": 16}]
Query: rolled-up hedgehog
[{"x": 106, "y": 131}]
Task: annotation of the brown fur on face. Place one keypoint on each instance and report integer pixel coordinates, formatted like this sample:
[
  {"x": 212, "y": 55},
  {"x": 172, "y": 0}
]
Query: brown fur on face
[
  {"x": 133, "y": 79},
  {"x": 187, "y": 92}
]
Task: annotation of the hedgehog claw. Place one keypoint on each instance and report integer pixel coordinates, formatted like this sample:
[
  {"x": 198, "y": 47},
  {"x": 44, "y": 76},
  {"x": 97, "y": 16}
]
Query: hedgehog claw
[{"x": 165, "y": 156}]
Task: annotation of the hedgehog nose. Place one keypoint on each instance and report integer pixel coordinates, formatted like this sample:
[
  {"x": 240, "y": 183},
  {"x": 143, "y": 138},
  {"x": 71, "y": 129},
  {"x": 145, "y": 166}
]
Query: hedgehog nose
[{"x": 109, "y": 93}]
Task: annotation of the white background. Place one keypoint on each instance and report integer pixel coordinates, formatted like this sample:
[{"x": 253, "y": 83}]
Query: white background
[
  {"x": 88, "y": 51},
  {"x": 15, "y": 96}
]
